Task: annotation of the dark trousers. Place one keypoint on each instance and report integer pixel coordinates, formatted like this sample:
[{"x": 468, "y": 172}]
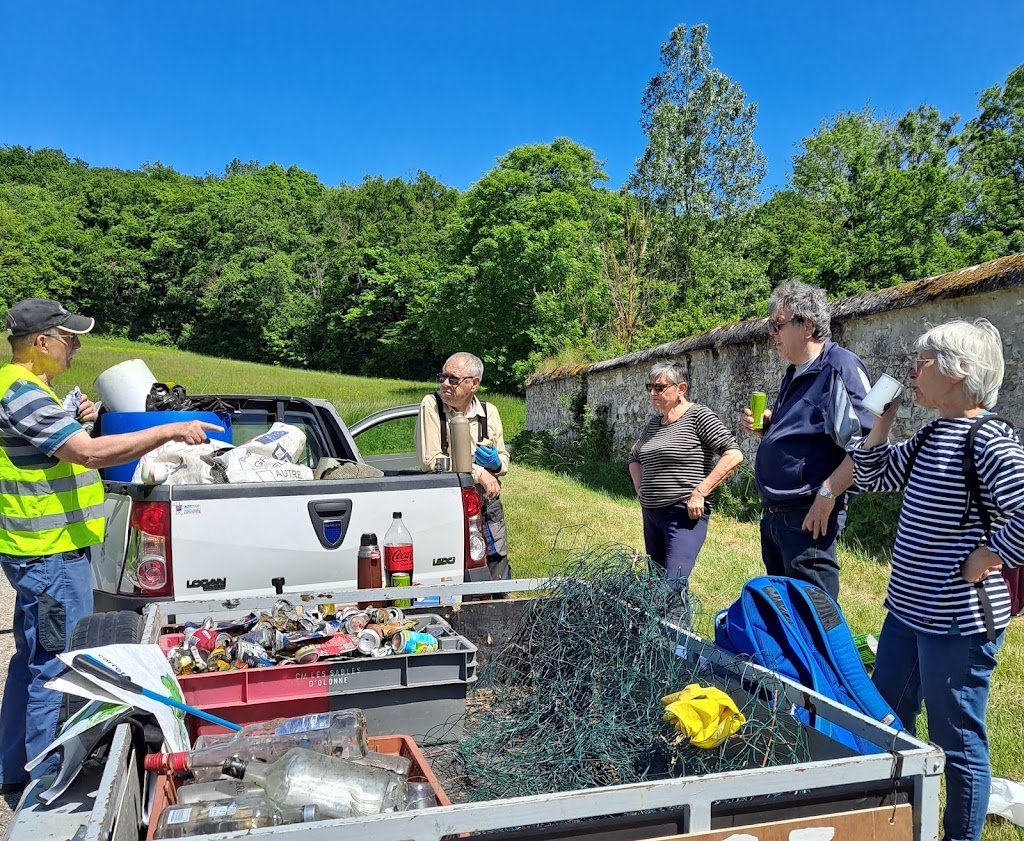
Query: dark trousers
[
  {"x": 673, "y": 541},
  {"x": 788, "y": 550}
]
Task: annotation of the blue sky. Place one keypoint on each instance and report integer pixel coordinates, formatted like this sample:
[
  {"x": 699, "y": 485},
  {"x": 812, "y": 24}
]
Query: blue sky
[{"x": 345, "y": 89}]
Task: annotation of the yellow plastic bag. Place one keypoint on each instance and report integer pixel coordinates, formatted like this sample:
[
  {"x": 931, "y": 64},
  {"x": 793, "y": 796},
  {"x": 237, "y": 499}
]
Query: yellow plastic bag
[{"x": 706, "y": 715}]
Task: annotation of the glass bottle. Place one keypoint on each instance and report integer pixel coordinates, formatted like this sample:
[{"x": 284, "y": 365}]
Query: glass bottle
[
  {"x": 243, "y": 813},
  {"x": 339, "y": 788},
  {"x": 190, "y": 792},
  {"x": 342, "y": 732}
]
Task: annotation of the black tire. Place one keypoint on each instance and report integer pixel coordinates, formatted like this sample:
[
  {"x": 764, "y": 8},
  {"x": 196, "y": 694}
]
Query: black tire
[{"x": 121, "y": 626}]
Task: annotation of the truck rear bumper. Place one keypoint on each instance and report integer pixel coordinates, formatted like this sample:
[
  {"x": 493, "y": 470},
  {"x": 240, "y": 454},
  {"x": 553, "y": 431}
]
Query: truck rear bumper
[{"x": 104, "y": 602}]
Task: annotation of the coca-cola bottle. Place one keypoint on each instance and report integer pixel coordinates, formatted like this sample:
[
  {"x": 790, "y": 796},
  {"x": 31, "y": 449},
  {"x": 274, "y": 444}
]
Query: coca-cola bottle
[
  {"x": 249, "y": 812},
  {"x": 339, "y": 788},
  {"x": 398, "y": 556},
  {"x": 342, "y": 732}
]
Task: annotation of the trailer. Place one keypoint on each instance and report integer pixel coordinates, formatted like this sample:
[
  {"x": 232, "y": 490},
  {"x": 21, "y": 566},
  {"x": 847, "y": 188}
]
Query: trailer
[{"x": 888, "y": 796}]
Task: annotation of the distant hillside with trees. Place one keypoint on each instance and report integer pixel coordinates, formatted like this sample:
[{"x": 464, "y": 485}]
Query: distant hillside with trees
[{"x": 539, "y": 259}]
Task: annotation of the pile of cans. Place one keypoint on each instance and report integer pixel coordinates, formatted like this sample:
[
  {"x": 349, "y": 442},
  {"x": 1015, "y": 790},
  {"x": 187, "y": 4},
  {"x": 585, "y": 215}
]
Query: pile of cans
[{"x": 291, "y": 634}]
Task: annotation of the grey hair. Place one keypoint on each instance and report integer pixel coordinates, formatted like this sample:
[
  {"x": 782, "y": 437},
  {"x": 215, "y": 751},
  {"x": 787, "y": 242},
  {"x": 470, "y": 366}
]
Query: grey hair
[
  {"x": 20, "y": 345},
  {"x": 473, "y": 364},
  {"x": 673, "y": 370},
  {"x": 969, "y": 351},
  {"x": 805, "y": 303}
]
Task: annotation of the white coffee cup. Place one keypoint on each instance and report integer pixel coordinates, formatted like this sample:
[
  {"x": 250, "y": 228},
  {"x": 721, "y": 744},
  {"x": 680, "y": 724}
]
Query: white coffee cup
[{"x": 883, "y": 392}]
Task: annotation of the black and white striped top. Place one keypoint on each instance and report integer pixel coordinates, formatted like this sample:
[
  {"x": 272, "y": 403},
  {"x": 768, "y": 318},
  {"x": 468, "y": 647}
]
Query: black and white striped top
[
  {"x": 676, "y": 458},
  {"x": 925, "y": 587}
]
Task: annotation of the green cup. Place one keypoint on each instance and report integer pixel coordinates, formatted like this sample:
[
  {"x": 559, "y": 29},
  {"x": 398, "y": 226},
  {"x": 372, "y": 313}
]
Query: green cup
[{"x": 758, "y": 402}]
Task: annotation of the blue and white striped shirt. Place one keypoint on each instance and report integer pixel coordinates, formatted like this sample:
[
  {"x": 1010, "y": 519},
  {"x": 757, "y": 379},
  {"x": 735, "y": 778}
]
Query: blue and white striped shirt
[
  {"x": 925, "y": 587},
  {"x": 33, "y": 426}
]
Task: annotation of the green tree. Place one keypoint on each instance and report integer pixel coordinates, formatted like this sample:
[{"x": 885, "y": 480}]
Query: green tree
[
  {"x": 701, "y": 157},
  {"x": 993, "y": 158},
  {"x": 524, "y": 280},
  {"x": 876, "y": 202},
  {"x": 634, "y": 264},
  {"x": 702, "y": 170}
]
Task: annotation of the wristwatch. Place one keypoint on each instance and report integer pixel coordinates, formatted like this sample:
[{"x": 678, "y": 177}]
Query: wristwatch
[{"x": 825, "y": 492}]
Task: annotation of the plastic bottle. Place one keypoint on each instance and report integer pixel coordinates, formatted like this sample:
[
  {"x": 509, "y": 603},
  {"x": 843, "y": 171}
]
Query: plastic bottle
[
  {"x": 215, "y": 790},
  {"x": 339, "y": 788},
  {"x": 398, "y": 557},
  {"x": 369, "y": 573},
  {"x": 462, "y": 444},
  {"x": 249, "y": 812},
  {"x": 342, "y": 732}
]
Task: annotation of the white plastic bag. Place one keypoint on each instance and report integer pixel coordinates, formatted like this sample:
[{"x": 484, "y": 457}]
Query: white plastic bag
[
  {"x": 177, "y": 463},
  {"x": 270, "y": 457},
  {"x": 242, "y": 465},
  {"x": 282, "y": 441},
  {"x": 1007, "y": 800}
]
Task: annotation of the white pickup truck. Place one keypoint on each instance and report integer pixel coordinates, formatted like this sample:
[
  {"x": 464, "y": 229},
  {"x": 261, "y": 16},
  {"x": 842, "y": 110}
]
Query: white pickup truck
[{"x": 226, "y": 541}]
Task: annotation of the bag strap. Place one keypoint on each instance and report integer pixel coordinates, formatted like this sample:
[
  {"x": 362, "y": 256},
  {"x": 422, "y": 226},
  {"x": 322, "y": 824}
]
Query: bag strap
[
  {"x": 481, "y": 423},
  {"x": 972, "y": 480},
  {"x": 971, "y": 477},
  {"x": 442, "y": 423}
]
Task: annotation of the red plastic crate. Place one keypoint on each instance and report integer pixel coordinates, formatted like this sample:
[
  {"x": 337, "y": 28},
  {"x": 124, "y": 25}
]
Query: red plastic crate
[
  {"x": 431, "y": 687},
  {"x": 167, "y": 784}
]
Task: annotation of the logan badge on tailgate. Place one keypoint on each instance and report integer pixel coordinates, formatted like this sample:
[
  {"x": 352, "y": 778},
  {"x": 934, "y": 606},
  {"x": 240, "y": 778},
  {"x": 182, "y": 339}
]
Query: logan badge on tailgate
[{"x": 207, "y": 583}]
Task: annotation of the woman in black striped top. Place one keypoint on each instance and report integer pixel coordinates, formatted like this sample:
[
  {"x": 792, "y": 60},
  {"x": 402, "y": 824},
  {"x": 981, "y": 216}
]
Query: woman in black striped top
[
  {"x": 674, "y": 472},
  {"x": 937, "y": 645}
]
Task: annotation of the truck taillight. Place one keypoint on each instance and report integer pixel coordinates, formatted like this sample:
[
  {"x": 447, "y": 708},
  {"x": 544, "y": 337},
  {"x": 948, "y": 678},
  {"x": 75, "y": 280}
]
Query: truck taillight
[
  {"x": 147, "y": 568},
  {"x": 476, "y": 543}
]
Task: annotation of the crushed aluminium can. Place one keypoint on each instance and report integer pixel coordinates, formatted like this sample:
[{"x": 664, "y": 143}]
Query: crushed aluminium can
[
  {"x": 413, "y": 642},
  {"x": 368, "y": 641}
]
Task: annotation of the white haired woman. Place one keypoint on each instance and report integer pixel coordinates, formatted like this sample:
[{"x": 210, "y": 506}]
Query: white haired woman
[
  {"x": 948, "y": 605},
  {"x": 673, "y": 469}
]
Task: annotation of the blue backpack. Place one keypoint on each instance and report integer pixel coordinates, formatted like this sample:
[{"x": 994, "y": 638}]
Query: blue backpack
[{"x": 796, "y": 629}]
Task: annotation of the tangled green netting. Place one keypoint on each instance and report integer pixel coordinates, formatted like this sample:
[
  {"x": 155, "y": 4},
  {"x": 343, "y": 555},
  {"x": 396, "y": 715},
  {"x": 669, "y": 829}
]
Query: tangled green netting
[{"x": 574, "y": 700}]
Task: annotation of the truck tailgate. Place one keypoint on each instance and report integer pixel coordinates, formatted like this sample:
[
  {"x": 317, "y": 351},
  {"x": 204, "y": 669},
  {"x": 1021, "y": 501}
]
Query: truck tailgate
[{"x": 239, "y": 538}]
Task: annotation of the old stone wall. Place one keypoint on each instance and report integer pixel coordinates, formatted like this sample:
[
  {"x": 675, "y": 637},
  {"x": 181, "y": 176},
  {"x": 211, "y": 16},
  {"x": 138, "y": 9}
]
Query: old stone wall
[{"x": 726, "y": 364}]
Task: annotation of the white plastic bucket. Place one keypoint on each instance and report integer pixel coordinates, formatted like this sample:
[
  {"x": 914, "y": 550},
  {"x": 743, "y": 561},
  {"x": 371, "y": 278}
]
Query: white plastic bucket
[{"x": 125, "y": 386}]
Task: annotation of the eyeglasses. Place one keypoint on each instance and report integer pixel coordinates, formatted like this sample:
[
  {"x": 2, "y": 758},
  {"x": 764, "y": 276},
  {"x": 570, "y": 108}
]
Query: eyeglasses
[
  {"x": 658, "y": 388},
  {"x": 775, "y": 326},
  {"x": 444, "y": 376},
  {"x": 920, "y": 362},
  {"x": 67, "y": 341}
]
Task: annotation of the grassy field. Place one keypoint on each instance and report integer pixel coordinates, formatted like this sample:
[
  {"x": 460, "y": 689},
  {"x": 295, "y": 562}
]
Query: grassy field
[{"x": 547, "y": 513}]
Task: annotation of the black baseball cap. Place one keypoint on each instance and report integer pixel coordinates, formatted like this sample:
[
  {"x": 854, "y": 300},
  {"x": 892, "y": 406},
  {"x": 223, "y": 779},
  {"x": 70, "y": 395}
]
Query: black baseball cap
[{"x": 37, "y": 315}]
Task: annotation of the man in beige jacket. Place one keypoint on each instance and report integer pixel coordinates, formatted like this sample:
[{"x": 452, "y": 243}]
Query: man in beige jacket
[{"x": 456, "y": 395}]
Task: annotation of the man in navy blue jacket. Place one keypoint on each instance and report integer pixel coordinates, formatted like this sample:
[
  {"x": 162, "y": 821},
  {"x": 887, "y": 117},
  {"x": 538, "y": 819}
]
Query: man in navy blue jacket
[{"x": 801, "y": 468}]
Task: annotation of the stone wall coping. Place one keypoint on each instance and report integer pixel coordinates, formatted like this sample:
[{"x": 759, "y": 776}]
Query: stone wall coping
[{"x": 1004, "y": 273}]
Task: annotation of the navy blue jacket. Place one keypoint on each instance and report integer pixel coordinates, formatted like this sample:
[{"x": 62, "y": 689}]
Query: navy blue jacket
[{"x": 797, "y": 453}]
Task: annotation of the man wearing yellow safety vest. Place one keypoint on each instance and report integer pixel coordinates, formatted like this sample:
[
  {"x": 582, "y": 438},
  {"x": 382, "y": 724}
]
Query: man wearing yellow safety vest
[{"x": 51, "y": 512}]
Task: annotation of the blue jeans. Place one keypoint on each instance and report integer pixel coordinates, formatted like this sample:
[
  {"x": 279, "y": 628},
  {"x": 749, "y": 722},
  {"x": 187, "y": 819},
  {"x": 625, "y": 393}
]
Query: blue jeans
[
  {"x": 788, "y": 550},
  {"x": 51, "y": 594},
  {"x": 673, "y": 541},
  {"x": 951, "y": 674}
]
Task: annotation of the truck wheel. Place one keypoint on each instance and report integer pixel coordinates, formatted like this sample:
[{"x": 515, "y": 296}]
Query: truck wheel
[{"x": 122, "y": 626}]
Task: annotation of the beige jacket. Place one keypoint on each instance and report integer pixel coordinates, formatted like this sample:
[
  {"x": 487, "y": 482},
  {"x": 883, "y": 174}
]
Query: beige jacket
[{"x": 428, "y": 434}]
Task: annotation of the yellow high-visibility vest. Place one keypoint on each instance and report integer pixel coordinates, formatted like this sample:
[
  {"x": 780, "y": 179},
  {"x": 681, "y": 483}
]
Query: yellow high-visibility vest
[{"x": 50, "y": 510}]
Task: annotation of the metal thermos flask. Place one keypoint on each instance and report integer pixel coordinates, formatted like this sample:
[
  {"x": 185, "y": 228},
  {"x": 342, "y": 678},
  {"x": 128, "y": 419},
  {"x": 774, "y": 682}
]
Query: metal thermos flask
[{"x": 369, "y": 569}]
